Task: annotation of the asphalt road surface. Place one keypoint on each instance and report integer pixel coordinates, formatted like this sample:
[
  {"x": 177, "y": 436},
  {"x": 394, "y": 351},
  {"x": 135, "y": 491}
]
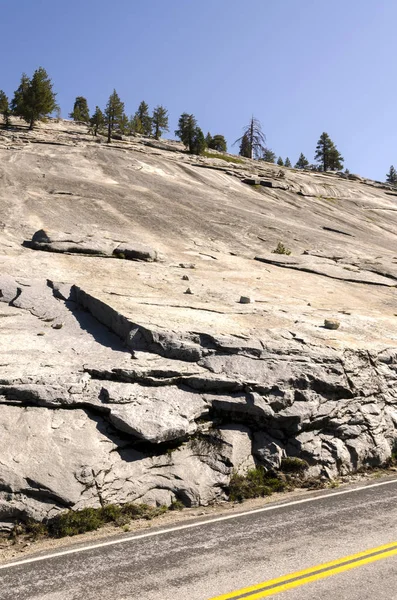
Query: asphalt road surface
[{"x": 334, "y": 545}]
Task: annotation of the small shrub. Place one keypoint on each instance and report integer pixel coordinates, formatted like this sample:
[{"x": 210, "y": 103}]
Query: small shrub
[
  {"x": 177, "y": 505},
  {"x": 143, "y": 511},
  {"x": 36, "y": 529},
  {"x": 75, "y": 522},
  {"x": 89, "y": 519},
  {"x": 255, "y": 484},
  {"x": 111, "y": 513},
  {"x": 293, "y": 465},
  {"x": 230, "y": 159},
  {"x": 334, "y": 484},
  {"x": 136, "y": 511},
  {"x": 281, "y": 249}
]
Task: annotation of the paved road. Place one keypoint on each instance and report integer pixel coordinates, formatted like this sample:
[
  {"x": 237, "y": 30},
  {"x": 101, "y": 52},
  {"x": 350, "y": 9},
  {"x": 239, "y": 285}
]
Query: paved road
[{"x": 206, "y": 560}]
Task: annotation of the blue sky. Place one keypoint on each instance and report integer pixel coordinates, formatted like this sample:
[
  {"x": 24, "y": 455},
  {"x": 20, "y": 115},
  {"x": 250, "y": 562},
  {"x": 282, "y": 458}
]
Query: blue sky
[{"x": 300, "y": 66}]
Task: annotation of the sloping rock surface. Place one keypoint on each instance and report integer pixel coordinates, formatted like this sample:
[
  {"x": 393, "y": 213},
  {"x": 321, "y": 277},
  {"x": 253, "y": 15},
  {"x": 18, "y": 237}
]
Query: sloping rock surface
[{"x": 116, "y": 385}]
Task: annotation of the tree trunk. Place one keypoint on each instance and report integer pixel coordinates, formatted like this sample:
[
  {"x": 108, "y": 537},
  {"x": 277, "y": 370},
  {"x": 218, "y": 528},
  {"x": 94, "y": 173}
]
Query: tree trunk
[{"x": 252, "y": 138}]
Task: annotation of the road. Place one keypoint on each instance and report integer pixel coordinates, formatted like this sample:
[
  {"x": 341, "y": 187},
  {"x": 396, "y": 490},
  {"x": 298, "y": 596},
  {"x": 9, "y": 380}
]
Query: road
[{"x": 203, "y": 560}]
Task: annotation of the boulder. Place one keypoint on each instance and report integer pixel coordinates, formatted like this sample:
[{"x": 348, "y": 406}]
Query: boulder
[
  {"x": 135, "y": 251},
  {"x": 71, "y": 244}
]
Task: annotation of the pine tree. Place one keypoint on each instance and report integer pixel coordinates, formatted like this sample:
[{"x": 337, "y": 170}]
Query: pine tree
[
  {"x": 208, "y": 140},
  {"x": 327, "y": 154},
  {"x": 4, "y": 109},
  {"x": 159, "y": 121},
  {"x": 287, "y": 162},
  {"x": 35, "y": 98},
  {"x": 124, "y": 124},
  {"x": 114, "y": 112},
  {"x": 245, "y": 147},
  {"x": 187, "y": 126},
  {"x": 391, "y": 177},
  {"x": 17, "y": 103},
  {"x": 135, "y": 125},
  {"x": 254, "y": 141},
  {"x": 268, "y": 156},
  {"x": 198, "y": 142},
  {"x": 217, "y": 142},
  {"x": 143, "y": 115},
  {"x": 280, "y": 162},
  {"x": 335, "y": 159},
  {"x": 80, "y": 110},
  {"x": 97, "y": 120},
  {"x": 302, "y": 163}
]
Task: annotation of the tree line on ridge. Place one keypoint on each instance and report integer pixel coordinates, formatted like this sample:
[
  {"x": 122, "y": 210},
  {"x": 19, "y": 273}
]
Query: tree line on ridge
[{"x": 35, "y": 99}]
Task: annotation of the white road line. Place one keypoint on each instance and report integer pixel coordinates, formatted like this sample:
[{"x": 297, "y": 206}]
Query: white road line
[{"x": 131, "y": 538}]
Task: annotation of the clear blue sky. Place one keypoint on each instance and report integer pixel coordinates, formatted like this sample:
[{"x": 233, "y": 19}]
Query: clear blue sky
[{"x": 300, "y": 66}]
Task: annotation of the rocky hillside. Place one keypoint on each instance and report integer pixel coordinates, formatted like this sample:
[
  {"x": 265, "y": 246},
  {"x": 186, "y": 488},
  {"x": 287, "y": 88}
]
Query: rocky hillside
[{"x": 151, "y": 341}]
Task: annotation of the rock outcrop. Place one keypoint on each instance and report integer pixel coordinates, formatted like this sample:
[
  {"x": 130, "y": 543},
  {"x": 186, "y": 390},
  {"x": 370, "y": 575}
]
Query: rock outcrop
[
  {"x": 42, "y": 240},
  {"x": 117, "y": 385}
]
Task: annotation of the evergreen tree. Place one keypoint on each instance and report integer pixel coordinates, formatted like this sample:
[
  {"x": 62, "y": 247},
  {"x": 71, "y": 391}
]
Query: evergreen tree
[
  {"x": 159, "y": 121},
  {"x": 124, "y": 124},
  {"x": 114, "y": 113},
  {"x": 287, "y": 162},
  {"x": 268, "y": 156},
  {"x": 217, "y": 142},
  {"x": 280, "y": 162},
  {"x": 208, "y": 140},
  {"x": 198, "y": 142},
  {"x": 97, "y": 120},
  {"x": 135, "y": 125},
  {"x": 302, "y": 163},
  {"x": 255, "y": 139},
  {"x": 80, "y": 110},
  {"x": 335, "y": 159},
  {"x": 4, "y": 109},
  {"x": 35, "y": 98},
  {"x": 143, "y": 115},
  {"x": 187, "y": 126},
  {"x": 327, "y": 154},
  {"x": 18, "y": 100},
  {"x": 391, "y": 177},
  {"x": 245, "y": 147}
]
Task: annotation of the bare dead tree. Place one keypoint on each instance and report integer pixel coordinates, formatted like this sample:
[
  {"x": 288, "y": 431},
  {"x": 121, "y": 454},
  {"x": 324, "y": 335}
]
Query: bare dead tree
[{"x": 252, "y": 142}]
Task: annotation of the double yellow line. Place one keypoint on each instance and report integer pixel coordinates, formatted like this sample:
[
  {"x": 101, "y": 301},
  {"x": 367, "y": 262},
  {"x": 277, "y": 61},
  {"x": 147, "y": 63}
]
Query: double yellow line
[{"x": 288, "y": 582}]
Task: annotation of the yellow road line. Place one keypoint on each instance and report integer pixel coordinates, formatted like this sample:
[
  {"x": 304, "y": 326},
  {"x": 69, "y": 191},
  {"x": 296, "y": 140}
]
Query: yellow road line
[{"x": 287, "y": 582}]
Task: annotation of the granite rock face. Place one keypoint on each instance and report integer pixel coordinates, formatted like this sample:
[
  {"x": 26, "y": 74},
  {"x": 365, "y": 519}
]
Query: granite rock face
[
  {"x": 144, "y": 427},
  {"x": 117, "y": 386}
]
